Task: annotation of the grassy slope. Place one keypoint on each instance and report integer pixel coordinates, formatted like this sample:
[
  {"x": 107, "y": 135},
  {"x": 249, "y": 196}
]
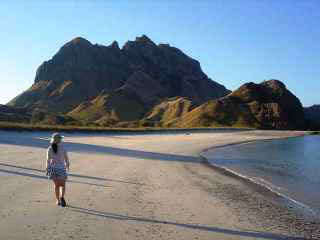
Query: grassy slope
[
  {"x": 216, "y": 114},
  {"x": 117, "y": 106},
  {"x": 170, "y": 109}
]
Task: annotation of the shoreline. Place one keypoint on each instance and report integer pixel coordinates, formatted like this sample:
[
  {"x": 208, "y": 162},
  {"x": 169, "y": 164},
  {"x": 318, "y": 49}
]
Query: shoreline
[
  {"x": 296, "y": 211},
  {"x": 139, "y": 186}
]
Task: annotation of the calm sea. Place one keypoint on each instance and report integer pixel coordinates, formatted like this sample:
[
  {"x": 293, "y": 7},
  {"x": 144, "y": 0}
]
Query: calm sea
[{"x": 290, "y": 167}]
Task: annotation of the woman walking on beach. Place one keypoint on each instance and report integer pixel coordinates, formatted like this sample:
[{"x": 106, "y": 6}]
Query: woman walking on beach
[{"x": 57, "y": 167}]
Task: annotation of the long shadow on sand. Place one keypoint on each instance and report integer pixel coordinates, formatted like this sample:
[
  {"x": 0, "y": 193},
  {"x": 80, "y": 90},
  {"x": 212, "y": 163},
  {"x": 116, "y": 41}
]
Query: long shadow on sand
[
  {"x": 46, "y": 178},
  {"x": 70, "y": 174},
  {"x": 253, "y": 234},
  {"x": 96, "y": 149}
]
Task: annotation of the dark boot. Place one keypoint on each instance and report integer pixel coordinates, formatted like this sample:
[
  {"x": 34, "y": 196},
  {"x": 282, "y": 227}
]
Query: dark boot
[{"x": 63, "y": 202}]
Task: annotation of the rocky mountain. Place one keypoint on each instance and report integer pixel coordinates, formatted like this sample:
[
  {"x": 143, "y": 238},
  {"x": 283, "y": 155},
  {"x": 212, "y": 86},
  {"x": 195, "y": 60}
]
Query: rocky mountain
[
  {"x": 144, "y": 84},
  {"x": 268, "y": 105},
  {"x": 99, "y": 83},
  {"x": 313, "y": 112},
  {"x": 28, "y": 115},
  {"x": 170, "y": 109},
  {"x": 312, "y": 115},
  {"x": 13, "y": 114}
]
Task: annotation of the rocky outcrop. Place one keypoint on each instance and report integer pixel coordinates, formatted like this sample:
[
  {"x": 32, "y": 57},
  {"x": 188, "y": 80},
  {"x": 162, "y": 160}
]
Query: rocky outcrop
[
  {"x": 12, "y": 114},
  {"x": 26, "y": 115},
  {"x": 312, "y": 115},
  {"x": 145, "y": 84},
  {"x": 268, "y": 105},
  {"x": 313, "y": 112},
  {"x": 170, "y": 109},
  {"x": 80, "y": 72},
  {"x": 111, "y": 107}
]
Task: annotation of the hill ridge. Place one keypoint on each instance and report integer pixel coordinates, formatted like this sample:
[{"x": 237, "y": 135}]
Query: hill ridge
[
  {"x": 80, "y": 71},
  {"x": 147, "y": 84}
]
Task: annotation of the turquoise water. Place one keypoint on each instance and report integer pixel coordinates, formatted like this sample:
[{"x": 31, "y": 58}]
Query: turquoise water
[{"x": 290, "y": 167}]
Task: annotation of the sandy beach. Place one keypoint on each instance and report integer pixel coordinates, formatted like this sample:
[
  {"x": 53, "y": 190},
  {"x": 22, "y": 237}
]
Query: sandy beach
[{"x": 138, "y": 186}]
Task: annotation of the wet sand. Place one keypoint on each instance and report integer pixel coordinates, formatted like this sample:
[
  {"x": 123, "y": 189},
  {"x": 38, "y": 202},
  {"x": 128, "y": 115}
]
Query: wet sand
[{"x": 138, "y": 186}]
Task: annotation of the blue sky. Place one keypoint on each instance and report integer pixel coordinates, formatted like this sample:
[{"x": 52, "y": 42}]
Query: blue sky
[{"x": 236, "y": 41}]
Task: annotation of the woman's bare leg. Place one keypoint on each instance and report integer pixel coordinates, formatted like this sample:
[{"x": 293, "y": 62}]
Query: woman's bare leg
[
  {"x": 57, "y": 190},
  {"x": 63, "y": 188}
]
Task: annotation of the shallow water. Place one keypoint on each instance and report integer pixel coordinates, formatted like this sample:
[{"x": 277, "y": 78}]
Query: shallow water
[{"x": 290, "y": 167}]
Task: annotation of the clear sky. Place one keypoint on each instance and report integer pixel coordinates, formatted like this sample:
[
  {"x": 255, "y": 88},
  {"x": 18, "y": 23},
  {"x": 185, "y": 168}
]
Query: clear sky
[{"x": 236, "y": 41}]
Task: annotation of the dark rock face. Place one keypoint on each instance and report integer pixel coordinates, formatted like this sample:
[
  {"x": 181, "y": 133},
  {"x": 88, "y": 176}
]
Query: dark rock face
[
  {"x": 80, "y": 71},
  {"x": 12, "y": 114},
  {"x": 268, "y": 105},
  {"x": 158, "y": 84},
  {"x": 312, "y": 115},
  {"x": 27, "y": 115},
  {"x": 272, "y": 104},
  {"x": 313, "y": 112}
]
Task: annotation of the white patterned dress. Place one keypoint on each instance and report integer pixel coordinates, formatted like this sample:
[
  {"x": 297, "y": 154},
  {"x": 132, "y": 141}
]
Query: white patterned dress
[{"x": 57, "y": 163}]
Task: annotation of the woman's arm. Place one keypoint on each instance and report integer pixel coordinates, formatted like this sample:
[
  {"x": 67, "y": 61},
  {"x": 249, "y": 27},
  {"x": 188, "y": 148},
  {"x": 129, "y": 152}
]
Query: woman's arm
[
  {"x": 66, "y": 159},
  {"x": 48, "y": 157}
]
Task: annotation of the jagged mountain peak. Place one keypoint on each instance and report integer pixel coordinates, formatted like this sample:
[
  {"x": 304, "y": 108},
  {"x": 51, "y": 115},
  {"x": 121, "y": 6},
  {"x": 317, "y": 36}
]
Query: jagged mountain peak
[
  {"x": 78, "y": 41},
  {"x": 144, "y": 39},
  {"x": 115, "y": 45},
  {"x": 274, "y": 84},
  {"x": 140, "y": 42},
  {"x": 141, "y": 71}
]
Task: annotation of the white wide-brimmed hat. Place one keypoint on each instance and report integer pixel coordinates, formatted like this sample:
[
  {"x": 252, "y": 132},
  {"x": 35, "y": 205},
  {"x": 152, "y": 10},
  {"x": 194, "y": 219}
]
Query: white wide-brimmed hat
[{"x": 56, "y": 138}]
